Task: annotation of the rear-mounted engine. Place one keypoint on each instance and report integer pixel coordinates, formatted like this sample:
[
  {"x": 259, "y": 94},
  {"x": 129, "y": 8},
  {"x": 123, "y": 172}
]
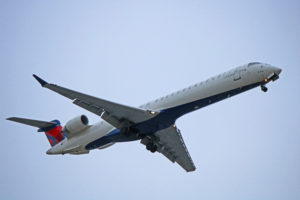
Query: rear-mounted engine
[{"x": 76, "y": 124}]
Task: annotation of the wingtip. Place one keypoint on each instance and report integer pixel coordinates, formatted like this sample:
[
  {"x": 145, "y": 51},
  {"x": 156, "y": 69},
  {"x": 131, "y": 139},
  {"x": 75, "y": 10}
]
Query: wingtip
[
  {"x": 13, "y": 119},
  {"x": 41, "y": 81}
]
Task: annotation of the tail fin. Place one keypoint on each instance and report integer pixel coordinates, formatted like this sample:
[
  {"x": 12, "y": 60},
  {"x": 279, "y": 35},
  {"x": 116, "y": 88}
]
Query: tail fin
[
  {"x": 53, "y": 129},
  {"x": 54, "y": 132}
]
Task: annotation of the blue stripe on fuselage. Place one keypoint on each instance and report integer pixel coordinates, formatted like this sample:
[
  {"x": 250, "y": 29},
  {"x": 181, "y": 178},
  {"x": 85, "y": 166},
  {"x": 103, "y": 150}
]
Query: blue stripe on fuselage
[
  {"x": 113, "y": 132},
  {"x": 166, "y": 118},
  {"x": 113, "y": 136}
]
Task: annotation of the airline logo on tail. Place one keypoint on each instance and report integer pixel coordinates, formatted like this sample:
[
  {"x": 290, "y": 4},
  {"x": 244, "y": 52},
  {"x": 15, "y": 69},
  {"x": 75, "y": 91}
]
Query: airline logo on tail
[{"x": 54, "y": 133}]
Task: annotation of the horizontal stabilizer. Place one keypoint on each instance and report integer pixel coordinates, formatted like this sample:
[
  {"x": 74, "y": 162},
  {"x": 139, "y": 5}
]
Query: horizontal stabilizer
[{"x": 31, "y": 122}]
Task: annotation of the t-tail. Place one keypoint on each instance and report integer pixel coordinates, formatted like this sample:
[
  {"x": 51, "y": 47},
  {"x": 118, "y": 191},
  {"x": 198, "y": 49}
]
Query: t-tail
[{"x": 53, "y": 129}]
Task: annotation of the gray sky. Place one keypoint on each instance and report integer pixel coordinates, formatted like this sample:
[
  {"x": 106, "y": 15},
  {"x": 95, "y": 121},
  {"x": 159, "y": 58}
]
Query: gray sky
[{"x": 246, "y": 147}]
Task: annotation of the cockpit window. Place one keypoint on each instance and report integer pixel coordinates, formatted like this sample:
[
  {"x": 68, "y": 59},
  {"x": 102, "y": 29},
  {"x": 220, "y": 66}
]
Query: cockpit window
[{"x": 253, "y": 63}]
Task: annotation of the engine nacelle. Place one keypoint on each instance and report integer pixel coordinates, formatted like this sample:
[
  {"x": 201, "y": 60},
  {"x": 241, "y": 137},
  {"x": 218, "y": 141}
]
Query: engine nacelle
[{"x": 76, "y": 124}]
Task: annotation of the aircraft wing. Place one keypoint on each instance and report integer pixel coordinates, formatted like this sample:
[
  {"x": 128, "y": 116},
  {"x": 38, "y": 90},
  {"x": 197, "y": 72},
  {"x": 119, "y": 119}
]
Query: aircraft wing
[
  {"x": 114, "y": 113},
  {"x": 169, "y": 142}
]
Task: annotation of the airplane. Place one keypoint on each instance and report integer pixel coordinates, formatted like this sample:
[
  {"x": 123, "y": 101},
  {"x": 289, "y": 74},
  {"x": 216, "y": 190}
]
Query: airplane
[{"x": 152, "y": 123}]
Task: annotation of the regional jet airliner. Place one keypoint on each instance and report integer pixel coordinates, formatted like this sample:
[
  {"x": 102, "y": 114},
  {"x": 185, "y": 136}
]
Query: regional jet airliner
[{"x": 153, "y": 123}]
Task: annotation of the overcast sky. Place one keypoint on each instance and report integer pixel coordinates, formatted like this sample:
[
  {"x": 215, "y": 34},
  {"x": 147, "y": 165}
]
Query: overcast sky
[{"x": 246, "y": 147}]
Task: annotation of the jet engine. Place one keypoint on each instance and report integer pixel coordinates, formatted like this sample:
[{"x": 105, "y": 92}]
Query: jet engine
[{"x": 76, "y": 124}]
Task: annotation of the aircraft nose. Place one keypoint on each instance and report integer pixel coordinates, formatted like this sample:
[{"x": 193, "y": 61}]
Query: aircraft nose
[{"x": 277, "y": 70}]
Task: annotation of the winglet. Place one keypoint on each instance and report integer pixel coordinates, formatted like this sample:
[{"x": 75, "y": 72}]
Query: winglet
[{"x": 41, "y": 81}]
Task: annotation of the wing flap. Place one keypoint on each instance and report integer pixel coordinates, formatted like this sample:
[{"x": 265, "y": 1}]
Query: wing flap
[
  {"x": 88, "y": 106},
  {"x": 169, "y": 142}
]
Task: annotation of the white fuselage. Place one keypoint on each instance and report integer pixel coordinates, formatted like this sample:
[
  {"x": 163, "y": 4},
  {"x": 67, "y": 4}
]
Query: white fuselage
[{"x": 236, "y": 78}]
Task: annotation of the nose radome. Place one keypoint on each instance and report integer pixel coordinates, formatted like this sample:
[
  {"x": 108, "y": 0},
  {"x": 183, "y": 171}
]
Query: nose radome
[{"x": 277, "y": 70}]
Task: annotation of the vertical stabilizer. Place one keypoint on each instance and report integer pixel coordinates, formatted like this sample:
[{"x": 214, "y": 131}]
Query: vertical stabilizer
[{"x": 54, "y": 133}]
